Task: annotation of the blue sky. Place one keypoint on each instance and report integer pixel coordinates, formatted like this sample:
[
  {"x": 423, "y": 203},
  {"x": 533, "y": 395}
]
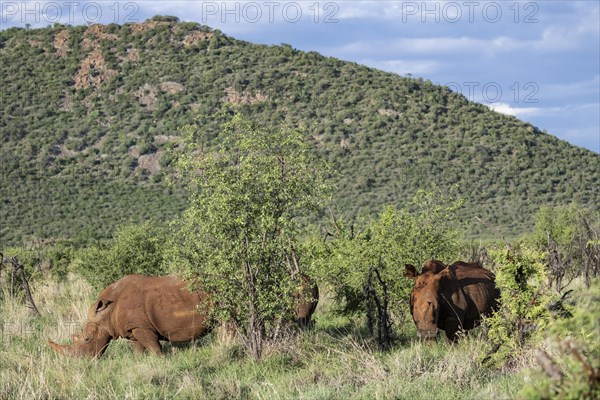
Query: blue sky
[{"x": 537, "y": 60}]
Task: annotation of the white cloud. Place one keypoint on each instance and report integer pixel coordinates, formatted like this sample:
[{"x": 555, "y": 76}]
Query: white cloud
[
  {"x": 403, "y": 67},
  {"x": 523, "y": 112},
  {"x": 552, "y": 40},
  {"x": 588, "y": 18},
  {"x": 519, "y": 112},
  {"x": 432, "y": 46}
]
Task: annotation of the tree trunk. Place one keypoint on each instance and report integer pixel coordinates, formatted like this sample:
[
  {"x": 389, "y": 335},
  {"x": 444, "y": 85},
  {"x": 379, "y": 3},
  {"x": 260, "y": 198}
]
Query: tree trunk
[
  {"x": 381, "y": 305},
  {"x": 254, "y": 333},
  {"x": 368, "y": 289},
  {"x": 255, "y": 337}
]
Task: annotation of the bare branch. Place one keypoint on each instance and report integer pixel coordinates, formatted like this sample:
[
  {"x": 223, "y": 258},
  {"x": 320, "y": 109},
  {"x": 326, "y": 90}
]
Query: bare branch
[
  {"x": 19, "y": 270},
  {"x": 548, "y": 366}
]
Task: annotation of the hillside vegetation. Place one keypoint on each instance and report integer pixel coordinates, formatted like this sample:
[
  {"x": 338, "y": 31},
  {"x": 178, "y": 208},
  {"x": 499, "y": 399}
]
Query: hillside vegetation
[{"x": 88, "y": 113}]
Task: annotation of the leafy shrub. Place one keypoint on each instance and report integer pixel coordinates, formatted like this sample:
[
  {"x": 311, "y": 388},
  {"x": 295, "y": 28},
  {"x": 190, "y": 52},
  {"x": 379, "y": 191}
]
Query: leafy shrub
[
  {"x": 570, "y": 236},
  {"x": 574, "y": 346},
  {"x": 524, "y": 297},
  {"x": 134, "y": 249},
  {"x": 164, "y": 18}
]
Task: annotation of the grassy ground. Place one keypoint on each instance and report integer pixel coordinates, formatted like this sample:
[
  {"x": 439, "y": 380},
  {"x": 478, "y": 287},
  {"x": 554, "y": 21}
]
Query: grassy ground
[{"x": 330, "y": 362}]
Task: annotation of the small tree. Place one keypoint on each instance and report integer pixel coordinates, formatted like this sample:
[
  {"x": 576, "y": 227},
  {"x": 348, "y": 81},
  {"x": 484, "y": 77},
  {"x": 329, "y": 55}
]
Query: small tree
[
  {"x": 237, "y": 237},
  {"x": 570, "y": 237},
  {"x": 365, "y": 263}
]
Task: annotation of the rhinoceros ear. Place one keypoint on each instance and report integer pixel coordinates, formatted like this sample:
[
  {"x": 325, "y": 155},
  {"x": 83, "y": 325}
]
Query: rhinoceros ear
[
  {"x": 96, "y": 311},
  {"x": 410, "y": 271},
  {"x": 101, "y": 305},
  {"x": 434, "y": 266}
]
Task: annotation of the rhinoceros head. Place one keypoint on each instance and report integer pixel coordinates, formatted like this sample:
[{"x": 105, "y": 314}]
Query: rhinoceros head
[
  {"x": 424, "y": 298},
  {"x": 95, "y": 336}
]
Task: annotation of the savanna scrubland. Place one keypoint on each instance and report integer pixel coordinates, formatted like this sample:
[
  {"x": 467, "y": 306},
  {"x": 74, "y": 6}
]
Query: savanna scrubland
[{"x": 243, "y": 238}]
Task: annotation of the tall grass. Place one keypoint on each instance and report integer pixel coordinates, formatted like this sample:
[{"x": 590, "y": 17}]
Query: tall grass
[{"x": 332, "y": 361}]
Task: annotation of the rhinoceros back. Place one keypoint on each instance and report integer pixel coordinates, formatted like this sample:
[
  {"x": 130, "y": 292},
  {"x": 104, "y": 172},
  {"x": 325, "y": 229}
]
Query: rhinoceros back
[
  {"x": 177, "y": 314},
  {"x": 163, "y": 304},
  {"x": 479, "y": 286}
]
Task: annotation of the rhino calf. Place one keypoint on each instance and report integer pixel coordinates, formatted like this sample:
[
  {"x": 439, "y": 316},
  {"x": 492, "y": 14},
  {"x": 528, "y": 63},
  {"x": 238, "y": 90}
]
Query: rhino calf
[
  {"x": 306, "y": 298},
  {"x": 144, "y": 310}
]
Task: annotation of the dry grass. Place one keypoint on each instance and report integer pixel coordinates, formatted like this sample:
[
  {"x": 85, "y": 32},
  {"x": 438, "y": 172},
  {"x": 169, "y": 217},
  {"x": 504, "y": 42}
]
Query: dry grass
[{"x": 329, "y": 362}]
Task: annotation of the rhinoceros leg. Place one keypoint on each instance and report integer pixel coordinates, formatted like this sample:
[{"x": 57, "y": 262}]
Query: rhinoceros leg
[
  {"x": 146, "y": 339},
  {"x": 137, "y": 347},
  {"x": 452, "y": 325}
]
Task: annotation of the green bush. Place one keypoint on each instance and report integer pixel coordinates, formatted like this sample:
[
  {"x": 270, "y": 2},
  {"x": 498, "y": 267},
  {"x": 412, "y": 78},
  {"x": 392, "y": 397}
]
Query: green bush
[
  {"x": 134, "y": 249},
  {"x": 575, "y": 351},
  {"x": 39, "y": 259},
  {"x": 523, "y": 313}
]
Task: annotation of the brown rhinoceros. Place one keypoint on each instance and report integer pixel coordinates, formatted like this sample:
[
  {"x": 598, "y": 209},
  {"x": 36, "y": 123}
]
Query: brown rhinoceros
[
  {"x": 450, "y": 297},
  {"x": 144, "y": 310},
  {"x": 306, "y": 298}
]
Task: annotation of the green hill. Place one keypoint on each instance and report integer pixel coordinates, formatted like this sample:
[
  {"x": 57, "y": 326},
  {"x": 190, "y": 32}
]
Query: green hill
[{"x": 87, "y": 113}]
